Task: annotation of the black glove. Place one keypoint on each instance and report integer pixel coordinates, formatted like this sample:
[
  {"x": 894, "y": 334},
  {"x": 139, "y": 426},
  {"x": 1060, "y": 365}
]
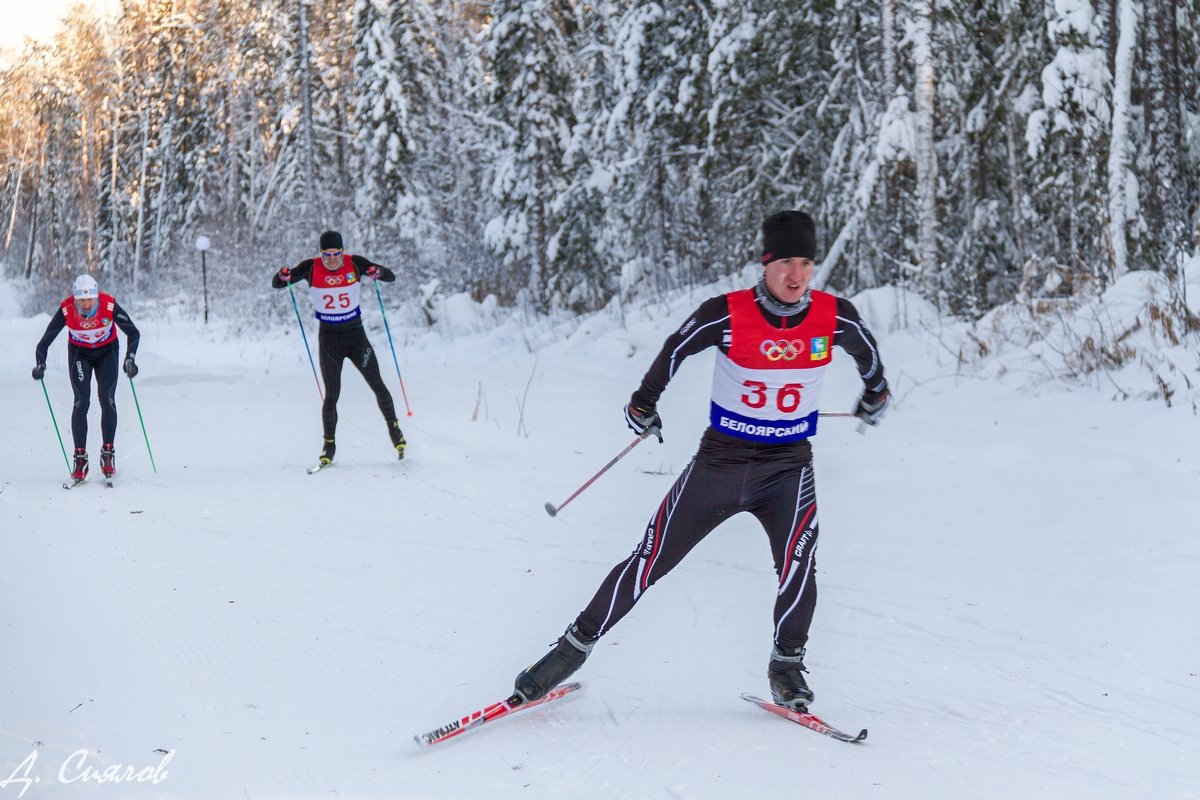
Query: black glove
[
  {"x": 39, "y": 371},
  {"x": 643, "y": 421},
  {"x": 130, "y": 367},
  {"x": 872, "y": 406}
]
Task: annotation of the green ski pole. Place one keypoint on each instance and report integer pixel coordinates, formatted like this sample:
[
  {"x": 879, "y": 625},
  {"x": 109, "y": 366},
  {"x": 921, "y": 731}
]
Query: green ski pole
[
  {"x": 307, "y": 349},
  {"x": 144, "y": 436},
  {"x": 54, "y": 419}
]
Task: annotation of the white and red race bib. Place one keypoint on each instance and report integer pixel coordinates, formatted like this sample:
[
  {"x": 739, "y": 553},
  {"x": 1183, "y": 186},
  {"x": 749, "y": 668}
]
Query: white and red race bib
[
  {"x": 94, "y": 331},
  {"x": 766, "y": 389},
  {"x": 335, "y": 295}
]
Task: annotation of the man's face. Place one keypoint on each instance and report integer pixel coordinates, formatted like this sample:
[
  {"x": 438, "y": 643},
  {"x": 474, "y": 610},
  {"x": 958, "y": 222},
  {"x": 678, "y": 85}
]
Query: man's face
[
  {"x": 788, "y": 278},
  {"x": 86, "y": 305},
  {"x": 331, "y": 259}
]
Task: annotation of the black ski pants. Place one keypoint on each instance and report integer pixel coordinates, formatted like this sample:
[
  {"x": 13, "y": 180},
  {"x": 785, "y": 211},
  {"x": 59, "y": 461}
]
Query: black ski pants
[
  {"x": 774, "y": 483},
  {"x": 81, "y": 363},
  {"x": 335, "y": 345}
]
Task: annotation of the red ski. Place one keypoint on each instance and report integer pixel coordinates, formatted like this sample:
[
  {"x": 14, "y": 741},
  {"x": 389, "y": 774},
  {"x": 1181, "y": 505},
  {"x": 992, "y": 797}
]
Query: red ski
[
  {"x": 810, "y": 721},
  {"x": 491, "y": 714}
]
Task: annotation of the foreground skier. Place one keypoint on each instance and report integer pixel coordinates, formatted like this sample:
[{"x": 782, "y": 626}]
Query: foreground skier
[{"x": 775, "y": 342}]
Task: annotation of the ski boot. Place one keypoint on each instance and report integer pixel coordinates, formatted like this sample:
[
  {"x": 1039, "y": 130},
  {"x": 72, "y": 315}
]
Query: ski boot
[
  {"x": 397, "y": 438},
  {"x": 786, "y": 674},
  {"x": 108, "y": 460},
  {"x": 327, "y": 453},
  {"x": 81, "y": 465},
  {"x": 555, "y": 667}
]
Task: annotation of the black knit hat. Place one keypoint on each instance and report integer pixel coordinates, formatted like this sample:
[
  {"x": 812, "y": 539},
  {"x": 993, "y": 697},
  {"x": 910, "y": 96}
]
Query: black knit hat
[
  {"x": 788, "y": 234},
  {"x": 331, "y": 240}
]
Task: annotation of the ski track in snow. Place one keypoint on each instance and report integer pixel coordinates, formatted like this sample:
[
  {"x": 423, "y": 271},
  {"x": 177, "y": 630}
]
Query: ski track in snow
[{"x": 1006, "y": 586}]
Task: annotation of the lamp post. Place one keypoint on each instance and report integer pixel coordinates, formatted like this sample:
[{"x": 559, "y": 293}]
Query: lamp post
[{"x": 202, "y": 244}]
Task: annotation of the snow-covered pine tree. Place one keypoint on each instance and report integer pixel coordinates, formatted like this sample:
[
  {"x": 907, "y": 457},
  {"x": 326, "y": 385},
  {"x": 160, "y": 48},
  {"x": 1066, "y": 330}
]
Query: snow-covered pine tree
[
  {"x": 659, "y": 128},
  {"x": 759, "y": 145},
  {"x": 531, "y": 66},
  {"x": 461, "y": 145},
  {"x": 1067, "y": 139},
  {"x": 1167, "y": 237},
  {"x": 983, "y": 200},
  {"x": 584, "y": 260},
  {"x": 399, "y": 63}
]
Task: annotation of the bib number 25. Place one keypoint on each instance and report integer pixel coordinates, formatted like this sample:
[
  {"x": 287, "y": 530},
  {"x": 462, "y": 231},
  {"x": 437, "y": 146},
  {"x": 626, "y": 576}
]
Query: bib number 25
[
  {"x": 787, "y": 397},
  {"x": 336, "y": 301}
]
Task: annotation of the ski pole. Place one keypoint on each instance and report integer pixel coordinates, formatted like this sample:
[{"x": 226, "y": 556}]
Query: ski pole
[
  {"x": 392, "y": 344},
  {"x": 307, "y": 349},
  {"x": 54, "y": 419},
  {"x": 144, "y": 436},
  {"x": 552, "y": 510}
]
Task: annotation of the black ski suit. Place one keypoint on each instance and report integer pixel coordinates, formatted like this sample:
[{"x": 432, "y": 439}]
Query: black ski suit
[
  {"x": 337, "y": 341},
  {"x": 774, "y": 482},
  {"x": 81, "y": 363}
]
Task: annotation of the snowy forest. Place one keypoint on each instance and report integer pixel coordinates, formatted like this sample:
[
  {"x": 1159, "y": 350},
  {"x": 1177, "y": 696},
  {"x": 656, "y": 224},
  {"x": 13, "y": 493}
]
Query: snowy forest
[{"x": 558, "y": 155}]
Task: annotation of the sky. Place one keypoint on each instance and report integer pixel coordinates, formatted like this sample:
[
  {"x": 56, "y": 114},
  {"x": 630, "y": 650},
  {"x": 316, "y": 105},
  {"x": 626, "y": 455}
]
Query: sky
[
  {"x": 1006, "y": 570},
  {"x": 38, "y": 20}
]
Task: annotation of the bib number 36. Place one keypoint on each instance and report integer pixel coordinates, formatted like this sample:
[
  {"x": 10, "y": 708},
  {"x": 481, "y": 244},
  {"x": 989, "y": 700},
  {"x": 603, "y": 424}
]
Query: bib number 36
[{"x": 787, "y": 397}]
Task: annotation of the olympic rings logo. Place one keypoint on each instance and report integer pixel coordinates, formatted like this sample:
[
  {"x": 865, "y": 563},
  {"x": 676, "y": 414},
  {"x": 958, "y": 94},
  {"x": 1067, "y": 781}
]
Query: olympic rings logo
[{"x": 782, "y": 349}]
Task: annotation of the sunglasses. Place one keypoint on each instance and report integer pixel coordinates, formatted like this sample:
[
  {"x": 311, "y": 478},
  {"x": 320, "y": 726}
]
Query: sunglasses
[{"x": 330, "y": 253}]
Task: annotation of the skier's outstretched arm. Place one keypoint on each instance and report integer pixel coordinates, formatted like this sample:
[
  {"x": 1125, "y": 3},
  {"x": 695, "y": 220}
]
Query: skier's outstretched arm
[
  {"x": 58, "y": 321},
  {"x": 367, "y": 267},
  {"x": 288, "y": 275},
  {"x": 132, "y": 334}
]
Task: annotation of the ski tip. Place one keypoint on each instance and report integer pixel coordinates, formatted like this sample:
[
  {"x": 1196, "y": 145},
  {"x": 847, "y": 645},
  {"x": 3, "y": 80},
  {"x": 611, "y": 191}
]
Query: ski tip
[
  {"x": 551, "y": 510},
  {"x": 862, "y": 736}
]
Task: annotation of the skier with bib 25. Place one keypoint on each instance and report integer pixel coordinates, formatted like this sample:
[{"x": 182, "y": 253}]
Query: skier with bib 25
[{"x": 335, "y": 281}]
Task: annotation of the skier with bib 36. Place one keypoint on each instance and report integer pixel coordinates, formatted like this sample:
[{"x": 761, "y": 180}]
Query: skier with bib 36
[
  {"x": 334, "y": 282},
  {"x": 775, "y": 342},
  {"x": 91, "y": 319}
]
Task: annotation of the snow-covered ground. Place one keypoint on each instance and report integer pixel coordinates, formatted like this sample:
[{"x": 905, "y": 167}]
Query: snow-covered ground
[{"x": 1007, "y": 575}]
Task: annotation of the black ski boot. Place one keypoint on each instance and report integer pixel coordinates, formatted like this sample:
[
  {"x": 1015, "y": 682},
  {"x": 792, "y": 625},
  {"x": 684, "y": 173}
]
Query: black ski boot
[
  {"x": 108, "y": 460},
  {"x": 555, "y": 667},
  {"x": 81, "y": 465},
  {"x": 397, "y": 438},
  {"x": 786, "y": 674},
  {"x": 327, "y": 453}
]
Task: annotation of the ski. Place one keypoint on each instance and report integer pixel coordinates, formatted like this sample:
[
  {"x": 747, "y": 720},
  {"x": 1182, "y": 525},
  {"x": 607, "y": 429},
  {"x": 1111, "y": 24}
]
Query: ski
[
  {"x": 318, "y": 468},
  {"x": 71, "y": 484},
  {"x": 810, "y": 721},
  {"x": 108, "y": 481},
  {"x": 490, "y": 714}
]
